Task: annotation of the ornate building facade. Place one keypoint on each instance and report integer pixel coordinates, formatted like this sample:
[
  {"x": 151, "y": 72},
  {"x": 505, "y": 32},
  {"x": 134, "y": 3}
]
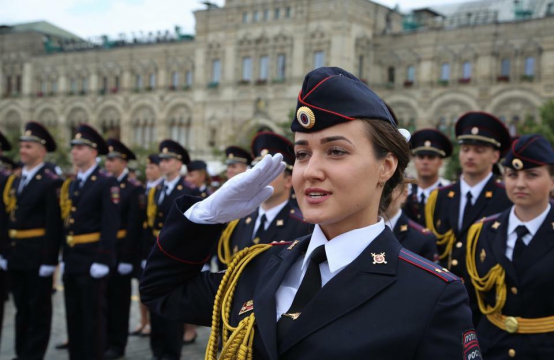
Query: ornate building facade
[{"x": 244, "y": 66}]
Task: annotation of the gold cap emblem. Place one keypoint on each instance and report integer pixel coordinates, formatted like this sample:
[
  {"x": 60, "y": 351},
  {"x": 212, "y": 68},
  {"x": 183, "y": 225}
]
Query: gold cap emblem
[
  {"x": 427, "y": 143},
  {"x": 110, "y": 148},
  {"x": 165, "y": 150},
  {"x": 264, "y": 152},
  {"x": 28, "y": 133},
  {"x": 305, "y": 117},
  {"x": 475, "y": 130},
  {"x": 78, "y": 136},
  {"x": 517, "y": 164}
]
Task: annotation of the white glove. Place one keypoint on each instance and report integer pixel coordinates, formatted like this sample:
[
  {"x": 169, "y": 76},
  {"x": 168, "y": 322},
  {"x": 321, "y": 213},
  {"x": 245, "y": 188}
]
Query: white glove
[
  {"x": 62, "y": 268},
  {"x": 98, "y": 271},
  {"x": 3, "y": 263},
  {"x": 143, "y": 264},
  {"x": 46, "y": 270},
  {"x": 239, "y": 196},
  {"x": 124, "y": 268}
]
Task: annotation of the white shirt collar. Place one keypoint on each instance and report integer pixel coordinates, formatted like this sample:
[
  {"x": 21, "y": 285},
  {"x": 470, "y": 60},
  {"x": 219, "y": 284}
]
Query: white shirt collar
[
  {"x": 151, "y": 184},
  {"x": 427, "y": 191},
  {"x": 29, "y": 174},
  {"x": 171, "y": 184},
  {"x": 271, "y": 213},
  {"x": 84, "y": 176},
  {"x": 393, "y": 220},
  {"x": 120, "y": 177},
  {"x": 345, "y": 248},
  {"x": 475, "y": 190},
  {"x": 532, "y": 225}
]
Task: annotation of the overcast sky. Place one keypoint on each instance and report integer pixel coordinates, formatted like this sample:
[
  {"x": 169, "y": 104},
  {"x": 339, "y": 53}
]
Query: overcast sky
[{"x": 91, "y": 18}]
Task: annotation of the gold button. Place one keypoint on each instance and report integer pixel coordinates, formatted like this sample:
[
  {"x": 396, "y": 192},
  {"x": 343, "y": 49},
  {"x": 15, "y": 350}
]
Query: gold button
[
  {"x": 161, "y": 214},
  {"x": 160, "y": 224},
  {"x": 459, "y": 244},
  {"x": 71, "y": 221},
  {"x": 512, "y": 353},
  {"x": 73, "y": 209},
  {"x": 71, "y": 233},
  {"x": 514, "y": 290},
  {"x": 454, "y": 262}
]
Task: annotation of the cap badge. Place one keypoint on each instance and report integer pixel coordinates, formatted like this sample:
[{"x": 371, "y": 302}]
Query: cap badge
[
  {"x": 475, "y": 130},
  {"x": 78, "y": 136},
  {"x": 305, "y": 117},
  {"x": 231, "y": 156},
  {"x": 517, "y": 164},
  {"x": 427, "y": 143},
  {"x": 28, "y": 132},
  {"x": 110, "y": 148},
  {"x": 165, "y": 150},
  {"x": 264, "y": 152},
  {"x": 379, "y": 258}
]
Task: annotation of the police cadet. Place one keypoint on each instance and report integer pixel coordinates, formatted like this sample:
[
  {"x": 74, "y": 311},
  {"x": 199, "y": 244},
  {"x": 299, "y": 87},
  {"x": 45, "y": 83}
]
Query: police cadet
[
  {"x": 238, "y": 161},
  {"x": 347, "y": 291},
  {"x": 197, "y": 175},
  {"x": 429, "y": 148},
  {"x": 277, "y": 218},
  {"x": 409, "y": 233},
  {"x": 89, "y": 205},
  {"x": 166, "y": 336},
  {"x": 511, "y": 259},
  {"x": 6, "y": 164},
  {"x": 34, "y": 234},
  {"x": 451, "y": 210},
  {"x": 132, "y": 207}
]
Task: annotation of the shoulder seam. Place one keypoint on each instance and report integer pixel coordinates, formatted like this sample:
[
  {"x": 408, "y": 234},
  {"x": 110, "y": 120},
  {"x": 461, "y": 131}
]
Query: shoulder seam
[{"x": 419, "y": 262}]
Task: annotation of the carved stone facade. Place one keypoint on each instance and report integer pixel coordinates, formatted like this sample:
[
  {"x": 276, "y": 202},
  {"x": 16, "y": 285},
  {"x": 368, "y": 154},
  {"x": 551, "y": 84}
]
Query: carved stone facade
[{"x": 244, "y": 67}]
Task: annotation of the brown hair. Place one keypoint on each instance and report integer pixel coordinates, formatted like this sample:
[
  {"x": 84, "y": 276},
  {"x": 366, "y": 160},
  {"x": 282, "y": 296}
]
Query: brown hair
[{"x": 387, "y": 139}]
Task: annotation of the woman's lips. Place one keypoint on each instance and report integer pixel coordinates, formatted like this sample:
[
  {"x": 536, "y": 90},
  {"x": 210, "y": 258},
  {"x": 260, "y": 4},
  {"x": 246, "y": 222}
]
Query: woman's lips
[{"x": 316, "y": 196}]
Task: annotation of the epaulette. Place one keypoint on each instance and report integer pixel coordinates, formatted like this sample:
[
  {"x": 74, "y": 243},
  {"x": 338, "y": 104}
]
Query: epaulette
[
  {"x": 282, "y": 242},
  {"x": 500, "y": 184},
  {"x": 104, "y": 173},
  {"x": 296, "y": 214},
  {"x": 427, "y": 265},
  {"x": 446, "y": 187},
  {"x": 188, "y": 184},
  {"x": 134, "y": 182},
  {"x": 418, "y": 227},
  {"x": 50, "y": 174},
  {"x": 489, "y": 218}
]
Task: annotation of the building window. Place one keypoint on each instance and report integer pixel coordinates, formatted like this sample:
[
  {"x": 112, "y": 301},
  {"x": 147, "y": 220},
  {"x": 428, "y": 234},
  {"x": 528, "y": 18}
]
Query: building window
[
  {"x": 390, "y": 75},
  {"x": 266, "y": 14},
  {"x": 144, "y": 125},
  {"x": 255, "y": 16},
  {"x": 188, "y": 78},
  {"x": 84, "y": 85},
  {"x": 466, "y": 70},
  {"x": 104, "y": 84},
  {"x": 264, "y": 67},
  {"x": 411, "y": 73},
  {"x": 281, "y": 66},
  {"x": 530, "y": 66},
  {"x": 18, "y": 84},
  {"x": 216, "y": 71},
  {"x": 54, "y": 86},
  {"x": 361, "y": 66},
  {"x": 445, "y": 72},
  {"x": 116, "y": 84},
  {"x": 8, "y": 85},
  {"x": 319, "y": 59},
  {"x": 43, "y": 86},
  {"x": 277, "y": 13},
  {"x": 505, "y": 67},
  {"x": 138, "y": 82},
  {"x": 175, "y": 79},
  {"x": 244, "y": 17},
  {"x": 246, "y": 68},
  {"x": 73, "y": 86},
  {"x": 287, "y": 12},
  {"x": 152, "y": 81}
]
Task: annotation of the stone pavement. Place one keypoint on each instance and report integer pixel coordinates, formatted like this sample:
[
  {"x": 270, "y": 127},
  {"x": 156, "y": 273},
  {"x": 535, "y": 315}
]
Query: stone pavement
[{"x": 138, "y": 348}]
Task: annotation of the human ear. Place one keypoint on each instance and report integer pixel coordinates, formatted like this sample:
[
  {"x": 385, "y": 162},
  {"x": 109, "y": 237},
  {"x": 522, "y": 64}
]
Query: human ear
[{"x": 388, "y": 167}]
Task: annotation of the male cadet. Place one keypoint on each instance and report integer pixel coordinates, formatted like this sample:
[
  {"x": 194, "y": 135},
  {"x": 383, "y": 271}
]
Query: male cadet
[
  {"x": 34, "y": 235},
  {"x": 197, "y": 175},
  {"x": 132, "y": 207},
  {"x": 166, "y": 336},
  {"x": 276, "y": 219},
  {"x": 238, "y": 160},
  {"x": 6, "y": 164},
  {"x": 89, "y": 205},
  {"x": 429, "y": 147},
  {"x": 451, "y": 210}
]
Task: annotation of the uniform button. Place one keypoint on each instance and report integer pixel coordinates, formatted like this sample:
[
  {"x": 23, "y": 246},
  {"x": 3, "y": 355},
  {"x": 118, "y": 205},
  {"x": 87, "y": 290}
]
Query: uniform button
[
  {"x": 514, "y": 290},
  {"x": 71, "y": 233},
  {"x": 459, "y": 244},
  {"x": 512, "y": 353},
  {"x": 161, "y": 214},
  {"x": 454, "y": 262},
  {"x": 71, "y": 221},
  {"x": 73, "y": 209},
  {"x": 160, "y": 224}
]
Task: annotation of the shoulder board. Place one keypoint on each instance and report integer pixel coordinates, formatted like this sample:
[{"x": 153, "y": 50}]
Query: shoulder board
[
  {"x": 446, "y": 187},
  {"x": 418, "y": 227},
  {"x": 103, "y": 173},
  {"x": 187, "y": 184},
  {"x": 296, "y": 214},
  {"x": 427, "y": 265},
  {"x": 134, "y": 182},
  {"x": 500, "y": 184},
  {"x": 489, "y": 218},
  {"x": 282, "y": 242},
  {"x": 50, "y": 174}
]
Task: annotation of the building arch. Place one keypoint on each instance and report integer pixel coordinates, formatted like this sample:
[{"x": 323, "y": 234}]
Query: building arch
[
  {"x": 179, "y": 124},
  {"x": 109, "y": 122},
  {"x": 48, "y": 117},
  {"x": 143, "y": 120}
]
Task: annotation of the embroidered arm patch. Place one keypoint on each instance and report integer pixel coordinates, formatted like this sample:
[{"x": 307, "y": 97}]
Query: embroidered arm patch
[{"x": 470, "y": 344}]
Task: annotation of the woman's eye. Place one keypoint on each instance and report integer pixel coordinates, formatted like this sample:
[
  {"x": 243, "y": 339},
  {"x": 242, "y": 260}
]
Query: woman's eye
[
  {"x": 337, "y": 152},
  {"x": 300, "y": 155}
]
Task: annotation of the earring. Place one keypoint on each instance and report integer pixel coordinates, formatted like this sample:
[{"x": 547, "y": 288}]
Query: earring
[{"x": 381, "y": 183}]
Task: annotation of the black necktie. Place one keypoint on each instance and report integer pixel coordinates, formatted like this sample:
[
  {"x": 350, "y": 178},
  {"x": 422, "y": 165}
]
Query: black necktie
[
  {"x": 422, "y": 202},
  {"x": 163, "y": 194},
  {"x": 467, "y": 210},
  {"x": 261, "y": 229},
  {"x": 22, "y": 184},
  {"x": 309, "y": 287},
  {"x": 520, "y": 246}
]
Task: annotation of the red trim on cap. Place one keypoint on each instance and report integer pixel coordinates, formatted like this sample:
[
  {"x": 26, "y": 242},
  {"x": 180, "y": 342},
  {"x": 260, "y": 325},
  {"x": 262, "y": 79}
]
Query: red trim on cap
[
  {"x": 319, "y": 83},
  {"x": 523, "y": 148},
  {"x": 328, "y": 111}
]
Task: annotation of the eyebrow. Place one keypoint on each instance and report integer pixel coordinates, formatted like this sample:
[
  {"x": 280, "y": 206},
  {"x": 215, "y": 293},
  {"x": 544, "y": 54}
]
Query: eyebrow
[{"x": 324, "y": 140}]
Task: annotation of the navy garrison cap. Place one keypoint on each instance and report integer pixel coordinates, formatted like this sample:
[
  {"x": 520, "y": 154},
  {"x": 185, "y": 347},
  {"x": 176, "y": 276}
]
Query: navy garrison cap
[
  {"x": 172, "y": 149},
  {"x": 237, "y": 154},
  {"x": 482, "y": 128},
  {"x": 330, "y": 96},
  {"x": 4, "y": 143},
  {"x": 528, "y": 152},
  {"x": 118, "y": 150},
  {"x": 430, "y": 142},
  {"x": 196, "y": 165},
  {"x": 267, "y": 142},
  {"x": 35, "y": 132},
  {"x": 86, "y": 135},
  {"x": 153, "y": 159}
]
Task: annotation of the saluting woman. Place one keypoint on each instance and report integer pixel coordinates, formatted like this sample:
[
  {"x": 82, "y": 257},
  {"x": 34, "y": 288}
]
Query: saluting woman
[
  {"x": 511, "y": 259},
  {"x": 347, "y": 291}
]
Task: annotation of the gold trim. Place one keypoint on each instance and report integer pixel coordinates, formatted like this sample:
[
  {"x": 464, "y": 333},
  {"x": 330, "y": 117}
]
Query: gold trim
[
  {"x": 517, "y": 164},
  {"x": 480, "y": 138},
  {"x": 309, "y": 113},
  {"x": 26, "y": 234},
  {"x": 73, "y": 240},
  {"x": 520, "y": 325},
  {"x": 428, "y": 148}
]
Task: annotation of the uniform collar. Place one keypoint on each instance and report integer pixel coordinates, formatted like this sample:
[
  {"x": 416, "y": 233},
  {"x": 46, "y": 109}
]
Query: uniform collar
[
  {"x": 345, "y": 248},
  {"x": 123, "y": 174},
  {"x": 271, "y": 213},
  {"x": 427, "y": 191},
  {"x": 393, "y": 220},
  {"x": 171, "y": 184},
  {"x": 475, "y": 190},
  {"x": 151, "y": 184},
  {"x": 84, "y": 176},
  {"x": 532, "y": 225},
  {"x": 29, "y": 174}
]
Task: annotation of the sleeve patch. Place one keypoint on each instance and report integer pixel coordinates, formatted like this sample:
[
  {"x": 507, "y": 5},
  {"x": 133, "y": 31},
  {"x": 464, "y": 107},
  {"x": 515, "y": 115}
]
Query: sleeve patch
[{"x": 470, "y": 344}]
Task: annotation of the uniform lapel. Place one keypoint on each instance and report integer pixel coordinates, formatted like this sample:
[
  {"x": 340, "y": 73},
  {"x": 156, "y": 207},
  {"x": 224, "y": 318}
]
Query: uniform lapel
[
  {"x": 264, "y": 300},
  {"x": 401, "y": 228},
  {"x": 279, "y": 223},
  {"x": 540, "y": 245},
  {"x": 480, "y": 204},
  {"x": 498, "y": 245},
  {"x": 454, "y": 207},
  {"x": 353, "y": 286}
]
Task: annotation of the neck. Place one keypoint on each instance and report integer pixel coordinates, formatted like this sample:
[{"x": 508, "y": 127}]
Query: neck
[
  {"x": 30, "y": 166},
  {"x": 425, "y": 181},
  {"x": 271, "y": 203},
  {"x": 528, "y": 213},
  {"x": 86, "y": 167},
  {"x": 474, "y": 179},
  {"x": 172, "y": 176},
  {"x": 331, "y": 231},
  {"x": 392, "y": 213}
]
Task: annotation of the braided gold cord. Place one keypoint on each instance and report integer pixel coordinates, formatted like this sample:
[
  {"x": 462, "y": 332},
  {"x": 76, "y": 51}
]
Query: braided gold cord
[
  {"x": 224, "y": 245},
  {"x": 237, "y": 341},
  {"x": 65, "y": 200},
  {"x": 9, "y": 199},
  {"x": 151, "y": 207},
  {"x": 447, "y": 239},
  {"x": 495, "y": 277}
]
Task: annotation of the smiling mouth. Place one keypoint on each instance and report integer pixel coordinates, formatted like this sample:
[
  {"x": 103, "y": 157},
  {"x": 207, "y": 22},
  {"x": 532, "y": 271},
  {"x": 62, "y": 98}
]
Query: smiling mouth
[{"x": 317, "y": 195}]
